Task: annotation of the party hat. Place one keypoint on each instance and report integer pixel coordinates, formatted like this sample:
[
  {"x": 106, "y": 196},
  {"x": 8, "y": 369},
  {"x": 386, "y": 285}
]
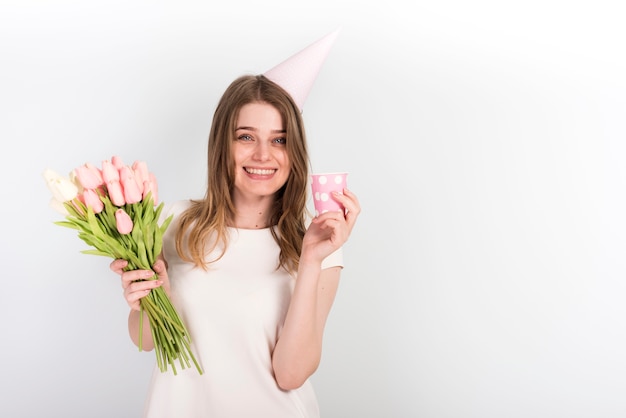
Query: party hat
[{"x": 297, "y": 73}]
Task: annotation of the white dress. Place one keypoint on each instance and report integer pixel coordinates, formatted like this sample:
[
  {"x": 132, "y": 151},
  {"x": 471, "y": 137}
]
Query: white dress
[{"x": 234, "y": 313}]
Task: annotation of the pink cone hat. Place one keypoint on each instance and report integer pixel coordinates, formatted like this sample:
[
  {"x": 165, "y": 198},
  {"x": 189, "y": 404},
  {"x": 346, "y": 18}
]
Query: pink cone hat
[{"x": 298, "y": 73}]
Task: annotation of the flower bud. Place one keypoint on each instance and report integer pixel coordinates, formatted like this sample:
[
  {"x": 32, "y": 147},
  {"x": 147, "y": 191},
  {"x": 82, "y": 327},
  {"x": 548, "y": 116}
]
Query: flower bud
[
  {"x": 117, "y": 162},
  {"x": 151, "y": 186},
  {"x": 140, "y": 168},
  {"x": 115, "y": 192},
  {"x": 59, "y": 207},
  {"x": 132, "y": 192},
  {"x": 92, "y": 199},
  {"x": 123, "y": 222},
  {"x": 89, "y": 176},
  {"x": 109, "y": 172},
  {"x": 61, "y": 187}
]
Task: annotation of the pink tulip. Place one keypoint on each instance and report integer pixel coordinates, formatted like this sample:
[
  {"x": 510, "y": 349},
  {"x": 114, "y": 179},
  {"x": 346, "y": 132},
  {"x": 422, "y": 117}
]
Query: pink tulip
[
  {"x": 117, "y": 162},
  {"x": 132, "y": 191},
  {"x": 109, "y": 172},
  {"x": 141, "y": 171},
  {"x": 89, "y": 176},
  {"x": 150, "y": 186},
  {"x": 123, "y": 222},
  {"x": 116, "y": 194},
  {"x": 91, "y": 199}
]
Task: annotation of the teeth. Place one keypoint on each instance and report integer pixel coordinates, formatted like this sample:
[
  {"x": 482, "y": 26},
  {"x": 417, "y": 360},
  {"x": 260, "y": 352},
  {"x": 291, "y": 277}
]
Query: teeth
[{"x": 260, "y": 171}]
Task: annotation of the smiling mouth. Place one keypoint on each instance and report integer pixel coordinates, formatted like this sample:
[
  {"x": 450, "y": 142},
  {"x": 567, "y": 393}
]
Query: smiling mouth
[{"x": 259, "y": 171}]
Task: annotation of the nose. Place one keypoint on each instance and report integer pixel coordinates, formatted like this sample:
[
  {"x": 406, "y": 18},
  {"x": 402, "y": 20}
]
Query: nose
[{"x": 261, "y": 151}]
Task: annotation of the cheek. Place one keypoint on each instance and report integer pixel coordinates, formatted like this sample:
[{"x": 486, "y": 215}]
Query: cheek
[
  {"x": 283, "y": 157},
  {"x": 287, "y": 167},
  {"x": 240, "y": 155}
]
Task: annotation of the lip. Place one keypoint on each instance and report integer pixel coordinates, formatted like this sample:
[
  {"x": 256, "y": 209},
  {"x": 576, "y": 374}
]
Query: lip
[{"x": 260, "y": 172}]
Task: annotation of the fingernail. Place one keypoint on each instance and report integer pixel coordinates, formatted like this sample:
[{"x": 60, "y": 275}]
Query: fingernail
[{"x": 147, "y": 274}]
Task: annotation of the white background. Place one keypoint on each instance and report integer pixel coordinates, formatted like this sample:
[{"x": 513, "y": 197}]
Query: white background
[{"x": 485, "y": 140}]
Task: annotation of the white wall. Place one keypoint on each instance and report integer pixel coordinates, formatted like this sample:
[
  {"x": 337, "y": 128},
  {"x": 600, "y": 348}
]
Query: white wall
[{"x": 486, "y": 142}]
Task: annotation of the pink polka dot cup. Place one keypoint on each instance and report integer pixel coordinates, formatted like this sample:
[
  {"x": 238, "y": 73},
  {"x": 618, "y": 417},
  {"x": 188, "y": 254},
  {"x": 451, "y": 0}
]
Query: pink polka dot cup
[{"x": 322, "y": 185}]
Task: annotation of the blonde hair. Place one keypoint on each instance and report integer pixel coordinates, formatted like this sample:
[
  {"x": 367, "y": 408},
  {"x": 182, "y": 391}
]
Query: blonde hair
[{"x": 203, "y": 226}]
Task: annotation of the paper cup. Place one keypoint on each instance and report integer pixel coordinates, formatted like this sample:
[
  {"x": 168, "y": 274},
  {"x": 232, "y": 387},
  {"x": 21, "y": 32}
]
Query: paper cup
[{"x": 322, "y": 185}]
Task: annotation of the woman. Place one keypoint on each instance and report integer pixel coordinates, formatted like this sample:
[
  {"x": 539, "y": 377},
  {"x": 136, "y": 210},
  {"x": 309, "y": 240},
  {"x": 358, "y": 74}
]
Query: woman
[{"x": 251, "y": 277}]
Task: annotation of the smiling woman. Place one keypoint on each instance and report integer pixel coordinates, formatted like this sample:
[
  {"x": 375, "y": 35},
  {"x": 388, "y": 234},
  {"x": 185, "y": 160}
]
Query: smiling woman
[
  {"x": 485, "y": 140},
  {"x": 253, "y": 277}
]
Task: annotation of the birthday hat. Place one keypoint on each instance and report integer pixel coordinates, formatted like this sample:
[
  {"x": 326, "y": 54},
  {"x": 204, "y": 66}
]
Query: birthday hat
[{"x": 297, "y": 73}]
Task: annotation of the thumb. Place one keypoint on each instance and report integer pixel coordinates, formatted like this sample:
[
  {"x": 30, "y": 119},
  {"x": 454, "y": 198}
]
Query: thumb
[{"x": 159, "y": 266}]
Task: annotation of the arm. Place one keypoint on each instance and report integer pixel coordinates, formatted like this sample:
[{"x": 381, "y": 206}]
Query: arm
[
  {"x": 134, "y": 290},
  {"x": 299, "y": 348}
]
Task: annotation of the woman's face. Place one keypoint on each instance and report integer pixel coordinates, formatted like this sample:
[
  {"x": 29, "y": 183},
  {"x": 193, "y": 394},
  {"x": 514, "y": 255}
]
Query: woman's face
[{"x": 262, "y": 165}]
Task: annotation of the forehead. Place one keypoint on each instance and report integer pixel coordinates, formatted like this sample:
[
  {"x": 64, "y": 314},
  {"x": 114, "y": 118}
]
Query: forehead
[{"x": 260, "y": 115}]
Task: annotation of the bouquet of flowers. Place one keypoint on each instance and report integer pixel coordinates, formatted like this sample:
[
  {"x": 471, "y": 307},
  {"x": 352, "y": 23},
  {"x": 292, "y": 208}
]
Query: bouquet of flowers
[{"x": 115, "y": 211}]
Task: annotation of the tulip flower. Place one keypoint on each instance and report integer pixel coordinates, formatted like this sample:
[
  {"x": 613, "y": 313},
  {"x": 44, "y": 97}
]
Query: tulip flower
[
  {"x": 92, "y": 199},
  {"x": 109, "y": 172},
  {"x": 89, "y": 176},
  {"x": 140, "y": 168},
  {"x": 123, "y": 222},
  {"x": 132, "y": 192},
  {"x": 74, "y": 179},
  {"x": 115, "y": 192},
  {"x": 117, "y": 162},
  {"x": 62, "y": 188},
  {"x": 134, "y": 236},
  {"x": 150, "y": 186},
  {"x": 59, "y": 207}
]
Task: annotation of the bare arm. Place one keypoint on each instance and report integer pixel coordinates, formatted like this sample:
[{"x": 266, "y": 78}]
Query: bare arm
[{"x": 298, "y": 350}]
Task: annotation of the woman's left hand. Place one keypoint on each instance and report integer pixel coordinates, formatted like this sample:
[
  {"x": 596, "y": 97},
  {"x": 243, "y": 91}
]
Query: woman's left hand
[{"x": 330, "y": 230}]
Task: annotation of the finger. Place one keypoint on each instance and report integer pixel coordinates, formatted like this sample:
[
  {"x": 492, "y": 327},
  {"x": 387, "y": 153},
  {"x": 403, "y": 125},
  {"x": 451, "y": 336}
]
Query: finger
[
  {"x": 138, "y": 290},
  {"x": 133, "y": 276},
  {"x": 159, "y": 266},
  {"x": 351, "y": 201},
  {"x": 118, "y": 265},
  {"x": 337, "y": 220},
  {"x": 353, "y": 209},
  {"x": 351, "y": 195},
  {"x": 326, "y": 216},
  {"x": 347, "y": 200},
  {"x": 333, "y": 225}
]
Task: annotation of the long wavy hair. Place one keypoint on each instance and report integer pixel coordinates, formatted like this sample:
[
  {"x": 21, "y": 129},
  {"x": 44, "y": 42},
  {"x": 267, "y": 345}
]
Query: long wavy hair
[{"x": 203, "y": 226}]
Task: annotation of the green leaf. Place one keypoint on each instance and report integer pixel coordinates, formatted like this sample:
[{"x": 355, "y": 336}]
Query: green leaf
[
  {"x": 68, "y": 224},
  {"x": 97, "y": 252},
  {"x": 94, "y": 224}
]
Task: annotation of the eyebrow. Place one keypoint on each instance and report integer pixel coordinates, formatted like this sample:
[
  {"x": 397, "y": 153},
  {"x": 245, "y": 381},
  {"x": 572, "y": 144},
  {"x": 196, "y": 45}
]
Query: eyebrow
[{"x": 250, "y": 128}]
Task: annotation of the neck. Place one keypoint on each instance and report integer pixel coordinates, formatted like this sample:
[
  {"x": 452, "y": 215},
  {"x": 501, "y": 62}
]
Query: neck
[
  {"x": 253, "y": 215},
  {"x": 255, "y": 220},
  {"x": 252, "y": 212}
]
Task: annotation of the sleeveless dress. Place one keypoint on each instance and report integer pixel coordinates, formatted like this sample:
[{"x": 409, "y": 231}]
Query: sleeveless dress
[{"x": 234, "y": 313}]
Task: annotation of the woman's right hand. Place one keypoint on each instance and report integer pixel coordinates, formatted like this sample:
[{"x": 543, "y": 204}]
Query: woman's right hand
[{"x": 137, "y": 283}]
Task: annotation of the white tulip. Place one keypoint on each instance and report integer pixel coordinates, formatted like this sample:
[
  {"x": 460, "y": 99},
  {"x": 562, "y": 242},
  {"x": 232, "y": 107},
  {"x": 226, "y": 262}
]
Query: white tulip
[
  {"x": 61, "y": 187},
  {"x": 59, "y": 207}
]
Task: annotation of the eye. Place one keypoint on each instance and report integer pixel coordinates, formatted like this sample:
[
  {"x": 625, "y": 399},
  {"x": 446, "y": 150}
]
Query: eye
[
  {"x": 244, "y": 137},
  {"x": 280, "y": 140}
]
